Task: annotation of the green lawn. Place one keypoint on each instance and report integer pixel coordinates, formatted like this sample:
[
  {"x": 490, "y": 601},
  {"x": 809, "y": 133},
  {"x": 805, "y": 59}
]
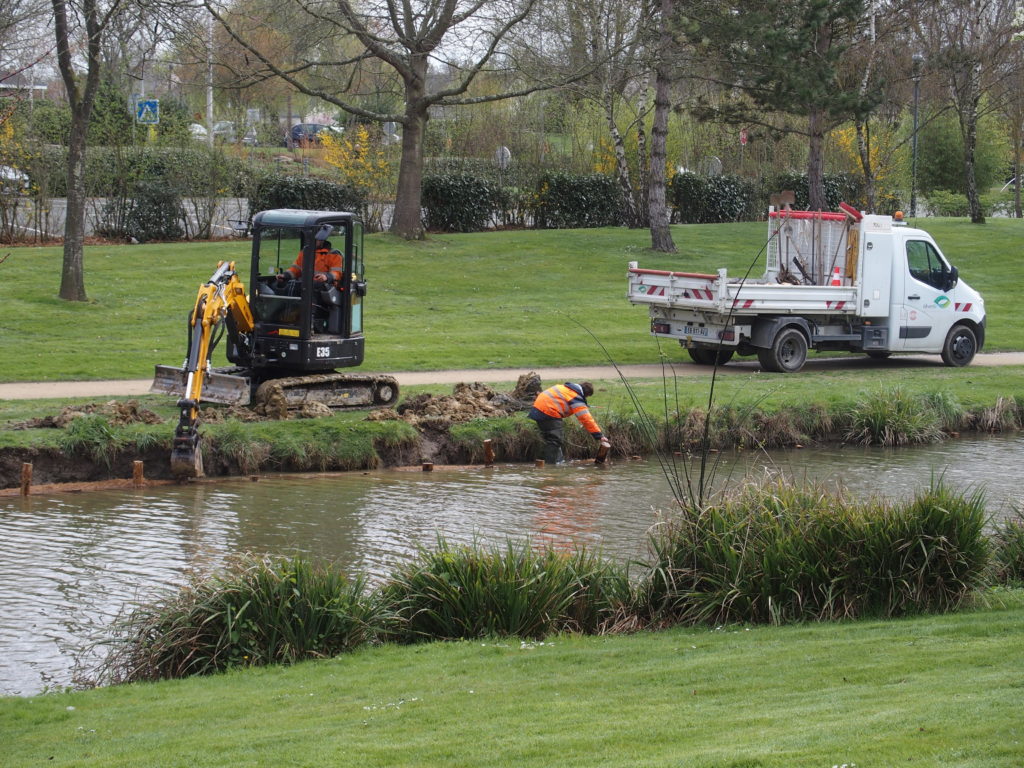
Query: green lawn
[
  {"x": 930, "y": 691},
  {"x": 487, "y": 300}
]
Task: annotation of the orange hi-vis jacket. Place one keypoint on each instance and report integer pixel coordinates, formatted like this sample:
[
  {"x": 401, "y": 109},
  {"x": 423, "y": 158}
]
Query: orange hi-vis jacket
[
  {"x": 567, "y": 399},
  {"x": 326, "y": 261}
]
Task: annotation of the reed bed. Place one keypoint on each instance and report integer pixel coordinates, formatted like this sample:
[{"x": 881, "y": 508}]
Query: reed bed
[
  {"x": 255, "y": 612},
  {"x": 1008, "y": 542},
  {"x": 775, "y": 553},
  {"x": 455, "y": 592},
  {"x": 769, "y": 553}
]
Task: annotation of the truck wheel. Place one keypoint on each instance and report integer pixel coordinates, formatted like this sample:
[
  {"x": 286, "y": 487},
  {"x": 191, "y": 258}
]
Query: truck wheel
[
  {"x": 787, "y": 354},
  {"x": 705, "y": 356},
  {"x": 960, "y": 346}
]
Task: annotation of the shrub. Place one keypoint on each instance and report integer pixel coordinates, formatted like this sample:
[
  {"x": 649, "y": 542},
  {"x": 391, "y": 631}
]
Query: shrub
[
  {"x": 566, "y": 200},
  {"x": 256, "y": 612},
  {"x": 303, "y": 192},
  {"x": 459, "y": 202},
  {"x": 468, "y": 592},
  {"x": 774, "y": 553},
  {"x": 155, "y": 212},
  {"x": 712, "y": 199}
]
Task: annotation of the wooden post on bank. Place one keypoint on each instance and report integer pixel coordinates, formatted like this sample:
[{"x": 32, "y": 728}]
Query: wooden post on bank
[
  {"x": 488, "y": 453},
  {"x": 26, "y": 478},
  {"x": 539, "y": 464},
  {"x": 138, "y": 474},
  {"x": 428, "y": 466}
]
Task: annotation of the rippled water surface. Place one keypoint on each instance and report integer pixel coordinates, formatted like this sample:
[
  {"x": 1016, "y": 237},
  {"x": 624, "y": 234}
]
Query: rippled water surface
[{"x": 70, "y": 562}]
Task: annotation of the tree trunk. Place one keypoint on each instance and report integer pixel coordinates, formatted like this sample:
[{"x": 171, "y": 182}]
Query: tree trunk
[
  {"x": 72, "y": 275},
  {"x": 408, "y": 219},
  {"x": 864, "y": 150},
  {"x": 969, "y": 127},
  {"x": 816, "y": 162},
  {"x": 661, "y": 235},
  {"x": 631, "y": 214}
]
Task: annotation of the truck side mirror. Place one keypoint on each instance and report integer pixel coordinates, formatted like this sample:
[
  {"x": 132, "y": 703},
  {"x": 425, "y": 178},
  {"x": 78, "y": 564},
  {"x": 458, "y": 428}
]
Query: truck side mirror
[{"x": 952, "y": 278}]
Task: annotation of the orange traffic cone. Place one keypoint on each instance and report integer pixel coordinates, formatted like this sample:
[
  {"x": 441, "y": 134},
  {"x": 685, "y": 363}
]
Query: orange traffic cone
[{"x": 837, "y": 277}]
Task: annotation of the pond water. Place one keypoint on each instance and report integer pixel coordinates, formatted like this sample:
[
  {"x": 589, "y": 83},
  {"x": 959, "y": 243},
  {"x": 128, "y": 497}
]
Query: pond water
[{"x": 69, "y": 563}]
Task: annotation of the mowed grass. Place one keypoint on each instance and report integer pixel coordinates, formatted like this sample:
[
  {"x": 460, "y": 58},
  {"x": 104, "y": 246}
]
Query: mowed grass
[
  {"x": 519, "y": 299},
  {"x": 931, "y": 691}
]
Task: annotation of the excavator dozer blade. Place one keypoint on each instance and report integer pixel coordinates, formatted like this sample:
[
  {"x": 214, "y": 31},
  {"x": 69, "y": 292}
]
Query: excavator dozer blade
[{"x": 223, "y": 388}]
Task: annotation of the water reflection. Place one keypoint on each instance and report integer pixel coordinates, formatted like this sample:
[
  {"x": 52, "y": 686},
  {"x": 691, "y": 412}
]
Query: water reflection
[{"x": 69, "y": 563}]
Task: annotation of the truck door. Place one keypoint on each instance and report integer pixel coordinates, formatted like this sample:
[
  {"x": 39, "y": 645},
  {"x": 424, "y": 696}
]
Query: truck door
[{"x": 922, "y": 300}]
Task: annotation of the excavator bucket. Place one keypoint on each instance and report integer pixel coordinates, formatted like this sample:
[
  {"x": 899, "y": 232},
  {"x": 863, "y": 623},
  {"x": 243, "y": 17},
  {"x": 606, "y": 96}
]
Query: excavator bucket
[{"x": 218, "y": 387}]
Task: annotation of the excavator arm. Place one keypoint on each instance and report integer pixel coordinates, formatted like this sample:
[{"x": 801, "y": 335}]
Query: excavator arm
[{"x": 221, "y": 295}]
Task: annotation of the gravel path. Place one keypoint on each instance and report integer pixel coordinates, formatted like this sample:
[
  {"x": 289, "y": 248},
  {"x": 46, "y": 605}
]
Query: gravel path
[{"x": 134, "y": 387}]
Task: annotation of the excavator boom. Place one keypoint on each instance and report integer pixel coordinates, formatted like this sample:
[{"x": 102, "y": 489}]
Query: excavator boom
[{"x": 222, "y": 294}]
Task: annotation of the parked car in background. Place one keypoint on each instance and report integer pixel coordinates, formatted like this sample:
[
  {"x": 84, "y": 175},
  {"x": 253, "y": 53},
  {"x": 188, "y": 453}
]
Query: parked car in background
[
  {"x": 309, "y": 133},
  {"x": 13, "y": 181},
  {"x": 224, "y": 131},
  {"x": 197, "y": 131}
]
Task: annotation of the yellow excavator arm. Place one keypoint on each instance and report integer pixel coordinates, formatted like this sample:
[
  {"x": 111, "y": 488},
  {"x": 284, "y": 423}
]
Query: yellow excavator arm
[{"x": 222, "y": 294}]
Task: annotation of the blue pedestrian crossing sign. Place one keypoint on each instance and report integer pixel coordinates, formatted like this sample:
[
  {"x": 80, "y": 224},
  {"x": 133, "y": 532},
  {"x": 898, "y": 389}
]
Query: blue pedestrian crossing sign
[{"x": 147, "y": 112}]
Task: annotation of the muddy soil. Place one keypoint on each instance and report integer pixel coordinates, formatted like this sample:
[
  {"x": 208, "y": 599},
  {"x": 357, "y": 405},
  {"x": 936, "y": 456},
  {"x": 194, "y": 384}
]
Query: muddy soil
[{"x": 431, "y": 415}]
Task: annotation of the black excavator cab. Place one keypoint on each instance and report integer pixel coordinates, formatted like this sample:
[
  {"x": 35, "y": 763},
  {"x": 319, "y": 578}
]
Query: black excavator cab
[{"x": 302, "y": 324}]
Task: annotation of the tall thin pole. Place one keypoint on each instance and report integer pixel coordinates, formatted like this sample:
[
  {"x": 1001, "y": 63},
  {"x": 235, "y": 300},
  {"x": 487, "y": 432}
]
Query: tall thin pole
[
  {"x": 918, "y": 58},
  {"x": 209, "y": 80}
]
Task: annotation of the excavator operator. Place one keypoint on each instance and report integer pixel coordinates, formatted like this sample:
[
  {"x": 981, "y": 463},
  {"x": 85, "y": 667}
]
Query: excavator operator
[{"x": 327, "y": 266}]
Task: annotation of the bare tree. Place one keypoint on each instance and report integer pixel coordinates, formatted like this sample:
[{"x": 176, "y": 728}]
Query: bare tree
[
  {"x": 966, "y": 43},
  {"x": 613, "y": 41},
  {"x": 414, "y": 39},
  {"x": 79, "y": 29}
]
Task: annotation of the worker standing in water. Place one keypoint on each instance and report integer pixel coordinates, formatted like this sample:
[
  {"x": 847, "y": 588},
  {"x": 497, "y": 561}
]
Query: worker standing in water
[{"x": 554, "y": 404}]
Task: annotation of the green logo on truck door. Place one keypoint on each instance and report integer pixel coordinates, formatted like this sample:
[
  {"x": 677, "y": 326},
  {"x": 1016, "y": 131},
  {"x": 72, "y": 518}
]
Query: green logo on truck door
[{"x": 942, "y": 302}]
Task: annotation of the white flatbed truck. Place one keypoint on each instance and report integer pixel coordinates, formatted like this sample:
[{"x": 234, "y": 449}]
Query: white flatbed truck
[{"x": 833, "y": 282}]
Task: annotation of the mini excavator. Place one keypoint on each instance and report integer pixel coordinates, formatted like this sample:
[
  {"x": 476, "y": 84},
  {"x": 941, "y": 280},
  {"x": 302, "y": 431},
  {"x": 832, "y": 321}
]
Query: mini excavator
[{"x": 287, "y": 337}]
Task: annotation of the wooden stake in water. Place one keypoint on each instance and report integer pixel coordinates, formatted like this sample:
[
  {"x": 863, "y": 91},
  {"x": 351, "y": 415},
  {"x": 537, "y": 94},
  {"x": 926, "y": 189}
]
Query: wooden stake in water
[
  {"x": 539, "y": 464},
  {"x": 428, "y": 466},
  {"x": 602, "y": 454},
  {"x": 138, "y": 474},
  {"x": 26, "y": 478},
  {"x": 488, "y": 453}
]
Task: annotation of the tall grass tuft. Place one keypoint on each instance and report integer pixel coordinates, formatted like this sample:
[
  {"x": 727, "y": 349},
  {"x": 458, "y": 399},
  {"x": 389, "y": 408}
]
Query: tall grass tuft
[
  {"x": 892, "y": 417},
  {"x": 258, "y": 611},
  {"x": 773, "y": 553},
  {"x": 1008, "y": 543},
  {"x": 92, "y": 435},
  {"x": 469, "y": 591}
]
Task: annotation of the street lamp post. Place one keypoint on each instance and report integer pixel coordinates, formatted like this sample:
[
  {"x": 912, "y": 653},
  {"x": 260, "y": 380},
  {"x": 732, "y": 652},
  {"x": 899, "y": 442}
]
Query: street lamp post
[{"x": 918, "y": 59}]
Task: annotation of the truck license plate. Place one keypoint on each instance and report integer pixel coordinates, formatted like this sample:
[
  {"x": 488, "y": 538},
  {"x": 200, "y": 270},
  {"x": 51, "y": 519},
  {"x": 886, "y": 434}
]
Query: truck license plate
[{"x": 693, "y": 330}]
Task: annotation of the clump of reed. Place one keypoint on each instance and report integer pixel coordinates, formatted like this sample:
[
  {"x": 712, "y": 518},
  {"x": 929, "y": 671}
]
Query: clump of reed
[
  {"x": 776, "y": 553},
  {"x": 257, "y": 611},
  {"x": 471, "y": 591},
  {"x": 892, "y": 417},
  {"x": 1008, "y": 544}
]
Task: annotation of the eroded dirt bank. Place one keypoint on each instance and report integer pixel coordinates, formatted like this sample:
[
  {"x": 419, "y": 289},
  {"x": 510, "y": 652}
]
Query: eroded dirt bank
[{"x": 431, "y": 417}]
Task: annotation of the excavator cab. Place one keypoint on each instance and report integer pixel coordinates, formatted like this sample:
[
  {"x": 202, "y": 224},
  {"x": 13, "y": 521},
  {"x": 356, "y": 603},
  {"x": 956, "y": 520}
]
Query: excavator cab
[{"x": 302, "y": 323}]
